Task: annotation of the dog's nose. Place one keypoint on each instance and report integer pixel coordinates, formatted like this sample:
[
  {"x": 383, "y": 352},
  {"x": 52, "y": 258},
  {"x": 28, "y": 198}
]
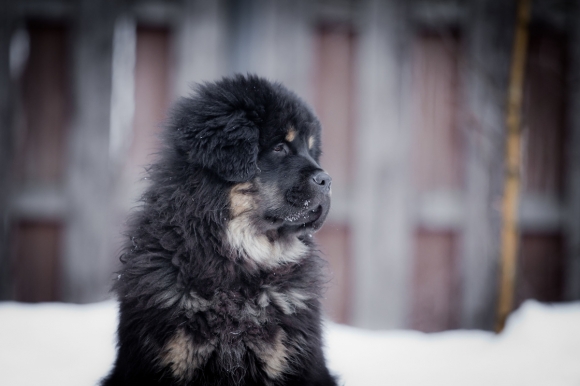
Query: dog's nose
[{"x": 322, "y": 181}]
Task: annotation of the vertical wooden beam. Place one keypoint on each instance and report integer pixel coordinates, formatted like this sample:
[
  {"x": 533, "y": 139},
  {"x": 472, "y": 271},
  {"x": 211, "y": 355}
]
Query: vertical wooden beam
[
  {"x": 201, "y": 44},
  {"x": 36, "y": 246},
  {"x": 380, "y": 212},
  {"x": 572, "y": 187},
  {"x": 273, "y": 39},
  {"x": 122, "y": 88},
  {"x": 510, "y": 232},
  {"x": 333, "y": 78},
  {"x": 437, "y": 158},
  {"x": 87, "y": 263},
  {"x": 435, "y": 294},
  {"x": 6, "y": 142},
  {"x": 485, "y": 72}
]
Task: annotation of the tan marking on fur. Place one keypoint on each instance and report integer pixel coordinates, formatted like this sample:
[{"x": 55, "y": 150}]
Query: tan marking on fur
[
  {"x": 297, "y": 345},
  {"x": 183, "y": 356},
  {"x": 244, "y": 238},
  {"x": 291, "y": 135},
  {"x": 289, "y": 301},
  {"x": 273, "y": 356},
  {"x": 193, "y": 302},
  {"x": 310, "y": 141},
  {"x": 298, "y": 298},
  {"x": 255, "y": 312},
  {"x": 263, "y": 300},
  {"x": 240, "y": 200}
]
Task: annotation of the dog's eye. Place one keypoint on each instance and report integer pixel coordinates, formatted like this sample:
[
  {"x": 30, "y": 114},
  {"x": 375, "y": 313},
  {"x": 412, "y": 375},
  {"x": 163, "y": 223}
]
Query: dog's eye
[{"x": 280, "y": 148}]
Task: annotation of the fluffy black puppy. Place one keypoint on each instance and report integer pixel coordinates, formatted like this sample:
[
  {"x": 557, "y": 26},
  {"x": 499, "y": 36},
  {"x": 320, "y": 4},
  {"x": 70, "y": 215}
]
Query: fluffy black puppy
[{"x": 220, "y": 282}]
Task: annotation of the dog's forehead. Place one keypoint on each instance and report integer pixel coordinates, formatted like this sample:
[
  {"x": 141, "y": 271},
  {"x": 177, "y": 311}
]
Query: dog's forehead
[
  {"x": 305, "y": 135},
  {"x": 299, "y": 131},
  {"x": 287, "y": 118},
  {"x": 298, "y": 135},
  {"x": 291, "y": 131}
]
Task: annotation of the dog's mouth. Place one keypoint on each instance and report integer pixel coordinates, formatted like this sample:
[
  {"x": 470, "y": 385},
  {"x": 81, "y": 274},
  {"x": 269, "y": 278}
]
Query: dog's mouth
[{"x": 307, "y": 220}]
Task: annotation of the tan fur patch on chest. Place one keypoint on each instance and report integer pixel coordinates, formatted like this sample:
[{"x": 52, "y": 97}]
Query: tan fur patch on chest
[
  {"x": 240, "y": 200},
  {"x": 289, "y": 301},
  {"x": 274, "y": 356},
  {"x": 183, "y": 356},
  {"x": 242, "y": 236}
]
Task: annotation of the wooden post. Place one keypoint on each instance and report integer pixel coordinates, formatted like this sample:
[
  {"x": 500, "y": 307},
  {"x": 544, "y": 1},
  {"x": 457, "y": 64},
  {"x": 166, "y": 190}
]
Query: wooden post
[
  {"x": 6, "y": 141},
  {"x": 202, "y": 27},
  {"x": 381, "y": 213},
  {"x": 509, "y": 235},
  {"x": 488, "y": 49},
  {"x": 87, "y": 263},
  {"x": 572, "y": 216}
]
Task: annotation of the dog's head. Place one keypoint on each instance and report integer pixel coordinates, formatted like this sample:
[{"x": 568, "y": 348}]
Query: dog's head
[{"x": 265, "y": 141}]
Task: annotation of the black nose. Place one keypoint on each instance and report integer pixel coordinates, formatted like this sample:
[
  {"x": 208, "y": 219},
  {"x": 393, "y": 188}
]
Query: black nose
[{"x": 322, "y": 182}]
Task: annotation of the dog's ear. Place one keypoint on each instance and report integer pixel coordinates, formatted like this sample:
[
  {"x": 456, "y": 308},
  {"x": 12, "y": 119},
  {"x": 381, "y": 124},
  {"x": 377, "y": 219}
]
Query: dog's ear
[{"x": 225, "y": 144}]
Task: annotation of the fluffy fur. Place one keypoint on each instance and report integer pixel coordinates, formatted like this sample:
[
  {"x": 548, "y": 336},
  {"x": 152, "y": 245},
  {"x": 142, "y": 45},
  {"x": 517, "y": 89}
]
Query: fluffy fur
[{"x": 220, "y": 282}]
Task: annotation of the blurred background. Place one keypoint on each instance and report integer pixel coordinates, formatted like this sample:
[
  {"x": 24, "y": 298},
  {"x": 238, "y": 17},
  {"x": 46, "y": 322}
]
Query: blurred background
[{"x": 411, "y": 95}]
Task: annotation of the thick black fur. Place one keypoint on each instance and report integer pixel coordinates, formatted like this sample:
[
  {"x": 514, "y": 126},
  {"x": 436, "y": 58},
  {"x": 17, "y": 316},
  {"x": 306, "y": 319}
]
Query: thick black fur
[{"x": 194, "y": 308}]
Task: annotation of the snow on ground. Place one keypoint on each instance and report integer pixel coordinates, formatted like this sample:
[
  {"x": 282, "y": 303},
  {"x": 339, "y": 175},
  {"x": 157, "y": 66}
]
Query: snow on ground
[
  {"x": 56, "y": 343},
  {"x": 540, "y": 346},
  {"x": 64, "y": 344}
]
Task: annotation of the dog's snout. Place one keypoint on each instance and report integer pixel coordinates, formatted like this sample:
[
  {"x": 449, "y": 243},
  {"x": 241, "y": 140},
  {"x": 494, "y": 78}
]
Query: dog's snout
[{"x": 322, "y": 181}]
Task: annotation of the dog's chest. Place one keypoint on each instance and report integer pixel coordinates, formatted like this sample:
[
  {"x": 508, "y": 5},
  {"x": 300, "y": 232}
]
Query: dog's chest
[{"x": 231, "y": 330}]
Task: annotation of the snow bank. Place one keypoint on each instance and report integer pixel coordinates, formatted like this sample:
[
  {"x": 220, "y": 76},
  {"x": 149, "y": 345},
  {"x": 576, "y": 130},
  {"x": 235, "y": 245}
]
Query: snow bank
[
  {"x": 56, "y": 344},
  {"x": 63, "y": 344},
  {"x": 540, "y": 346}
]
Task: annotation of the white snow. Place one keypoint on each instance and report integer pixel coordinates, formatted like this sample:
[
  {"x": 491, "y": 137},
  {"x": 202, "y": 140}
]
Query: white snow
[
  {"x": 55, "y": 343},
  {"x": 540, "y": 346},
  {"x": 64, "y": 344}
]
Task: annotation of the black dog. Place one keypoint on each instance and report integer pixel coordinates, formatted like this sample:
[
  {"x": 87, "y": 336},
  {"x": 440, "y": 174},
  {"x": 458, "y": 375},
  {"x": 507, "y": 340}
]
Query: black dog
[{"x": 220, "y": 283}]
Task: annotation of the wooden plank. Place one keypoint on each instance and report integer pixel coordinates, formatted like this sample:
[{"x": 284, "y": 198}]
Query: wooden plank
[
  {"x": 435, "y": 297},
  {"x": 334, "y": 240},
  {"x": 7, "y": 24},
  {"x": 572, "y": 146},
  {"x": 46, "y": 102},
  {"x": 544, "y": 112},
  {"x": 334, "y": 77},
  {"x": 437, "y": 151},
  {"x": 39, "y": 161},
  {"x": 381, "y": 214},
  {"x": 487, "y": 39},
  {"x": 88, "y": 262},
  {"x": 540, "y": 268},
  {"x": 541, "y": 260},
  {"x": 152, "y": 71},
  {"x": 512, "y": 182},
  {"x": 333, "y": 80},
  {"x": 152, "y": 98},
  {"x": 333, "y": 83},
  {"x": 122, "y": 88},
  {"x": 201, "y": 46},
  {"x": 437, "y": 156},
  {"x": 273, "y": 39},
  {"x": 36, "y": 247}
]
